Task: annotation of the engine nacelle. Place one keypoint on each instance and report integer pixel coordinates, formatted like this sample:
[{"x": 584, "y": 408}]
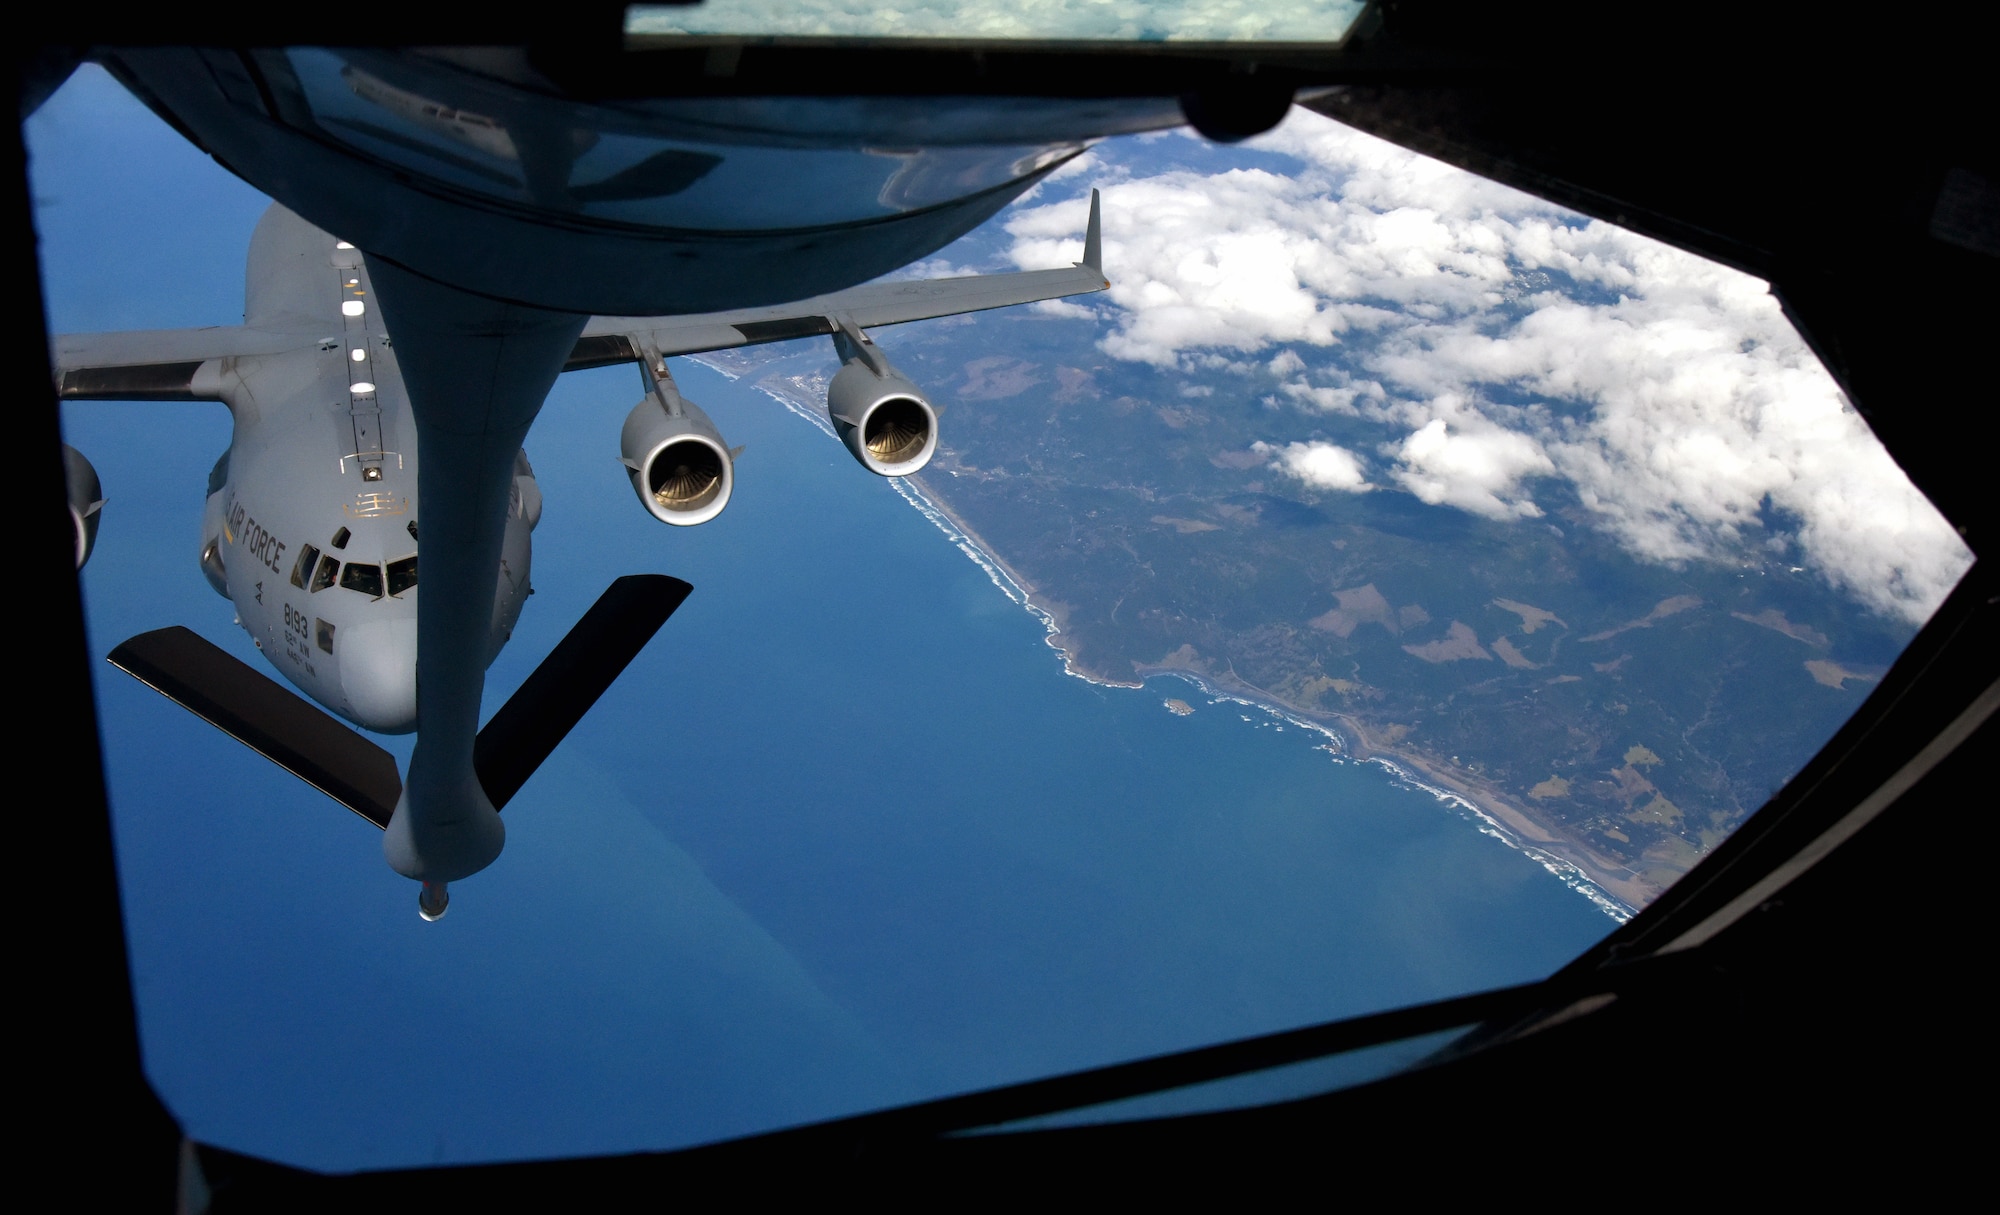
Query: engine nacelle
[
  {"x": 680, "y": 467},
  {"x": 883, "y": 419},
  {"x": 86, "y": 499}
]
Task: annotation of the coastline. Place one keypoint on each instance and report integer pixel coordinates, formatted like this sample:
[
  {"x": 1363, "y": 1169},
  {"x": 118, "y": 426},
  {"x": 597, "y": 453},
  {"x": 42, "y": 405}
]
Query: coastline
[
  {"x": 1617, "y": 880},
  {"x": 1614, "y": 888},
  {"x": 938, "y": 503},
  {"x": 1053, "y": 614},
  {"x": 1617, "y": 890}
]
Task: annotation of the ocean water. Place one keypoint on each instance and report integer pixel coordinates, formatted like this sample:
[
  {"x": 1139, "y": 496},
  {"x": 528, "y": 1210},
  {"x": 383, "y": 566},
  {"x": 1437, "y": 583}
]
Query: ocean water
[{"x": 846, "y": 835}]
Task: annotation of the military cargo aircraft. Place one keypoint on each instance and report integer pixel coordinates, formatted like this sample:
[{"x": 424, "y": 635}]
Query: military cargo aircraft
[
  {"x": 492, "y": 214},
  {"x": 311, "y": 527}
]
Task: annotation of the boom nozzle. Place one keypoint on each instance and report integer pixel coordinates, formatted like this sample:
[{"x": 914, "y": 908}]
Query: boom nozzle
[{"x": 432, "y": 901}]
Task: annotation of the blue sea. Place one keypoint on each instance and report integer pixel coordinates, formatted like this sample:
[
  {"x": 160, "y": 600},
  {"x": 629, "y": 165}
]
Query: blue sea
[{"x": 846, "y": 835}]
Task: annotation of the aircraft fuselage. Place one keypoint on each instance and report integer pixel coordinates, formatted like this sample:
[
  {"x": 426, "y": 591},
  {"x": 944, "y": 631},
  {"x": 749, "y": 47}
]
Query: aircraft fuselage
[{"x": 311, "y": 524}]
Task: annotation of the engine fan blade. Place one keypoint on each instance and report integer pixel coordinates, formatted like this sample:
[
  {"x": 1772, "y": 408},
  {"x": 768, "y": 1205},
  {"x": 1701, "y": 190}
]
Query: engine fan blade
[
  {"x": 229, "y": 695},
  {"x": 543, "y": 711}
]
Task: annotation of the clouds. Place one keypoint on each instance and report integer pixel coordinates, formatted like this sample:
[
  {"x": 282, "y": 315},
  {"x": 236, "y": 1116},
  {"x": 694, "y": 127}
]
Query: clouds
[
  {"x": 1502, "y": 356},
  {"x": 1479, "y": 472},
  {"x": 1211, "y": 264},
  {"x": 1319, "y": 465}
]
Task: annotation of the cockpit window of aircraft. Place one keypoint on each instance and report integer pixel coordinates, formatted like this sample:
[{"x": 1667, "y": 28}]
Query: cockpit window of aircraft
[
  {"x": 302, "y": 569},
  {"x": 363, "y": 576},
  {"x": 1308, "y": 21},
  {"x": 402, "y": 575},
  {"x": 1384, "y": 587}
]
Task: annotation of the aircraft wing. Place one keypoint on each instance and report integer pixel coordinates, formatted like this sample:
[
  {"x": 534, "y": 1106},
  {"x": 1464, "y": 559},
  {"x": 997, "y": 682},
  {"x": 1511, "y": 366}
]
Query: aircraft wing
[
  {"x": 152, "y": 364},
  {"x": 160, "y": 364},
  {"x": 614, "y": 339}
]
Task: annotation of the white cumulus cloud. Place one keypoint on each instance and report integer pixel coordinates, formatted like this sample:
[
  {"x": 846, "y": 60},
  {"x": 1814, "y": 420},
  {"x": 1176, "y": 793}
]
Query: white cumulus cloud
[
  {"x": 1320, "y": 465},
  {"x": 1502, "y": 346},
  {"x": 1479, "y": 472},
  {"x": 1195, "y": 261}
]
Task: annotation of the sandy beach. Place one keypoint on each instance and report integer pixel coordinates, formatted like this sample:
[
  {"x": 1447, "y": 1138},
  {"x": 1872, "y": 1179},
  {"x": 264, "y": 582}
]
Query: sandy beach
[{"x": 937, "y": 500}]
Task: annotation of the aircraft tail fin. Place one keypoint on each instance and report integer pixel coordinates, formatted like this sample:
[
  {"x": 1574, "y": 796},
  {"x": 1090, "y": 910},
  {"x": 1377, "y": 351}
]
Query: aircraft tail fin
[
  {"x": 302, "y": 739},
  {"x": 1093, "y": 238},
  {"x": 584, "y": 663},
  {"x": 330, "y": 756}
]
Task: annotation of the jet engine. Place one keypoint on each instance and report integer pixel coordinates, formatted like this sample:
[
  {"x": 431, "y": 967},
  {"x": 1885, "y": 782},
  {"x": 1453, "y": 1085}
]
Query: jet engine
[
  {"x": 883, "y": 419},
  {"x": 86, "y": 499},
  {"x": 680, "y": 467}
]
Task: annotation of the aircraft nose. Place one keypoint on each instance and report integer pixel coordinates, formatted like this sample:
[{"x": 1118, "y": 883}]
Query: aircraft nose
[{"x": 378, "y": 672}]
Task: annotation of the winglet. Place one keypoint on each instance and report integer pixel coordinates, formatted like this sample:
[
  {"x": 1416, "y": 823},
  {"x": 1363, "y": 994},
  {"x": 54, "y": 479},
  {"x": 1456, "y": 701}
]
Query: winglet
[{"x": 1093, "y": 239}]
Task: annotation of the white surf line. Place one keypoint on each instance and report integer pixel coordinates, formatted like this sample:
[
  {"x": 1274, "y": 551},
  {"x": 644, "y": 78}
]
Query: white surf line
[
  {"x": 952, "y": 532},
  {"x": 1000, "y": 578},
  {"x": 1568, "y": 872},
  {"x": 1336, "y": 743},
  {"x": 717, "y": 368},
  {"x": 803, "y": 410},
  {"x": 1564, "y": 871},
  {"x": 995, "y": 573},
  {"x": 929, "y": 510}
]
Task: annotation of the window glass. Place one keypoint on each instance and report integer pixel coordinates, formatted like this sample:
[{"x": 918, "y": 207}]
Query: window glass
[
  {"x": 218, "y": 474},
  {"x": 302, "y": 569},
  {"x": 402, "y": 575},
  {"x": 362, "y": 576},
  {"x": 435, "y": 122},
  {"x": 340, "y": 538},
  {"x": 1386, "y": 586},
  {"x": 323, "y": 634},
  {"x": 328, "y": 569},
  {"x": 1000, "y": 20}
]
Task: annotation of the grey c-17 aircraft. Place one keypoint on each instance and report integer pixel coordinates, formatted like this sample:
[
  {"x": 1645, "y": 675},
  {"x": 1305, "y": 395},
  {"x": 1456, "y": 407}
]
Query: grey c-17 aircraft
[{"x": 312, "y": 522}]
